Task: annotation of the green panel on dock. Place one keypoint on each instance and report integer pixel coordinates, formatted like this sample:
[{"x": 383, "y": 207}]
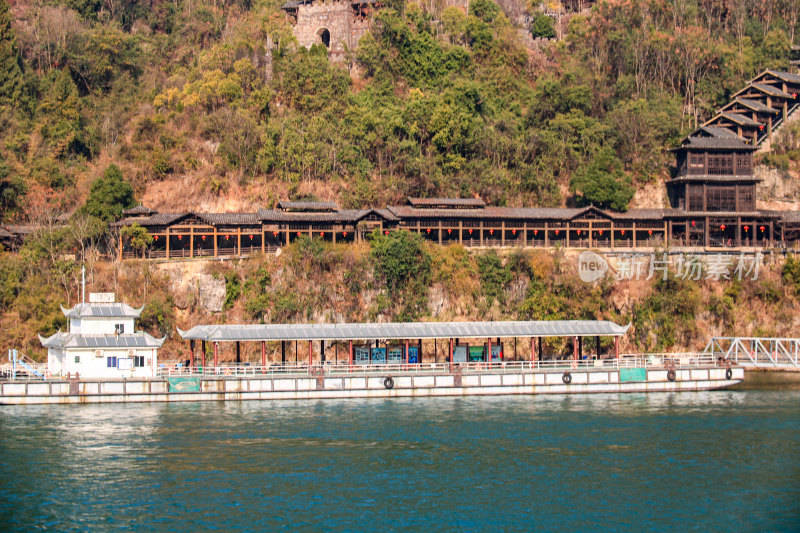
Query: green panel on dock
[
  {"x": 632, "y": 374},
  {"x": 184, "y": 384}
]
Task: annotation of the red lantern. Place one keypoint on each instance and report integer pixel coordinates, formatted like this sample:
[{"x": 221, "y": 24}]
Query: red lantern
[
  {"x": 227, "y": 237},
  {"x": 747, "y": 228},
  {"x": 536, "y": 232},
  {"x": 344, "y": 233},
  {"x": 429, "y": 230},
  {"x": 251, "y": 237},
  {"x": 649, "y": 232},
  {"x": 623, "y": 232},
  {"x": 274, "y": 233},
  {"x": 762, "y": 229},
  {"x": 491, "y": 232},
  {"x": 156, "y": 237},
  {"x": 601, "y": 232},
  {"x": 794, "y": 95},
  {"x": 298, "y": 233},
  {"x": 579, "y": 232},
  {"x": 449, "y": 231},
  {"x": 761, "y": 127},
  {"x": 386, "y": 232},
  {"x": 722, "y": 227},
  {"x": 692, "y": 223},
  {"x": 557, "y": 232},
  {"x": 203, "y": 237},
  {"x": 321, "y": 233},
  {"x": 470, "y": 232},
  {"x": 180, "y": 237},
  {"x": 513, "y": 231}
]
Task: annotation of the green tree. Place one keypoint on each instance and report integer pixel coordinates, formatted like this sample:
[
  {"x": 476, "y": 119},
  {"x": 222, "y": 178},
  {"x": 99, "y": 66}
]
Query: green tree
[
  {"x": 400, "y": 260},
  {"x": 543, "y": 26},
  {"x": 602, "y": 183},
  {"x": 10, "y": 59},
  {"x": 138, "y": 237},
  {"x": 109, "y": 195}
]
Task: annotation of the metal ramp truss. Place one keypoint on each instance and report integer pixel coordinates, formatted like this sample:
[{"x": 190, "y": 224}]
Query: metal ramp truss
[{"x": 763, "y": 352}]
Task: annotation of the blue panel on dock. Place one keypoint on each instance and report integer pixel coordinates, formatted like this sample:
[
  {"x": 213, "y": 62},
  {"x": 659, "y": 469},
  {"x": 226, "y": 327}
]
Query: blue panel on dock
[{"x": 632, "y": 374}]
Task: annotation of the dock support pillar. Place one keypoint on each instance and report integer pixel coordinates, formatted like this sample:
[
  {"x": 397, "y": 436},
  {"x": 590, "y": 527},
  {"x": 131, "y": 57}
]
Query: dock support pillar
[
  {"x": 191, "y": 353},
  {"x": 216, "y": 354},
  {"x": 575, "y": 348},
  {"x": 310, "y": 353},
  {"x": 322, "y": 351},
  {"x": 203, "y": 348},
  {"x": 540, "y": 349},
  {"x": 238, "y": 352},
  {"x": 263, "y": 356},
  {"x": 597, "y": 349},
  {"x": 283, "y": 351}
]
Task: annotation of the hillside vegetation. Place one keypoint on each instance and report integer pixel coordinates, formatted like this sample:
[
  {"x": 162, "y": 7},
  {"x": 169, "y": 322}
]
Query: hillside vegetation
[
  {"x": 205, "y": 105},
  {"x": 211, "y": 105}
]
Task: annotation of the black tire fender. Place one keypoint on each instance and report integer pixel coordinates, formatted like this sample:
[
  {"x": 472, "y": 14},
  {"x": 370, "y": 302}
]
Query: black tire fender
[
  {"x": 566, "y": 378},
  {"x": 388, "y": 383},
  {"x": 671, "y": 375},
  {"x": 728, "y": 373}
]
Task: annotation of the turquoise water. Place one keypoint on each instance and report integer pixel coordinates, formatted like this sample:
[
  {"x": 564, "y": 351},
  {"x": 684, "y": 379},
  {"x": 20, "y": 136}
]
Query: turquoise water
[{"x": 714, "y": 461}]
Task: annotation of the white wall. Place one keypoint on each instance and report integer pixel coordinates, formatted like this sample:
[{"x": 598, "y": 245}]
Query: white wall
[
  {"x": 91, "y": 366},
  {"x": 99, "y": 326}
]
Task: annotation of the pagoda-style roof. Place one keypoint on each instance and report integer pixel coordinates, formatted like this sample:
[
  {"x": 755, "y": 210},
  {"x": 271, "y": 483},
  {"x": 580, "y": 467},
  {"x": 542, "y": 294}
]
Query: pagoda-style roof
[
  {"x": 753, "y": 105},
  {"x": 102, "y": 310},
  {"x": 736, "y": 118}
]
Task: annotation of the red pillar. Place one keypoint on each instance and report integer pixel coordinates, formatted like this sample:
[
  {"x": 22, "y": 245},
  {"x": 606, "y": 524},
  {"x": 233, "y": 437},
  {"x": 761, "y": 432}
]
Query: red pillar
[
  {"x": 575, "y": 347},
  {"x": 616, "y": 347},
  {"x": 263, "y": 356},
  {"x": 350, "y": 362},
  {"x": 310, "y": 353},
  {"x": 406, "y": 352},
  {"x": 216, "y": 354},
  {"x": 533, "y": 349},
  {"x": 451, "y": 355},
  {"x": 489, "y": 352}
]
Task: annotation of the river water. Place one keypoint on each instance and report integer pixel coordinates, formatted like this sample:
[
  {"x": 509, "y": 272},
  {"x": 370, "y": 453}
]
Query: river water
[{"x": 710, "y": 461}]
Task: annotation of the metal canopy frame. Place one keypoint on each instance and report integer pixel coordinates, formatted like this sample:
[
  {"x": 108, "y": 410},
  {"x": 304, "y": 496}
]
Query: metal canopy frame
[
  {"x": 757, "y": 351},
  {"x": 403, "y": 330}
]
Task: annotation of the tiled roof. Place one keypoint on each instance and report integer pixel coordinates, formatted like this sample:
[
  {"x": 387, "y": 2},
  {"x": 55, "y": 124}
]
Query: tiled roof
[
  {"x": 287, "y": 205},
  {"x": 742, "y": 120},
  {"x": 716, "y": 143},
  {"x": 446, "y": 202},
  {"x": 788, "y": 77},
  {"x": 138, "y": 211},
  {"x": 496, "y": 213},
  {"x": 749, "y": 178},
  {"x": 230, "y": 219},
  {"x": 755, "y": 105},
  {"x": 716, "y": 131},
  {"x": 344, "y": 215},
  {"x": 770, "y": 90}
]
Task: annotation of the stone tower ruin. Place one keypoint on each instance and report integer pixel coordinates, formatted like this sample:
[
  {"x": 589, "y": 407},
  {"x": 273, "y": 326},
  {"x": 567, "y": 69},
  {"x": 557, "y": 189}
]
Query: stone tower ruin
[{"x": 336, "y": 24}]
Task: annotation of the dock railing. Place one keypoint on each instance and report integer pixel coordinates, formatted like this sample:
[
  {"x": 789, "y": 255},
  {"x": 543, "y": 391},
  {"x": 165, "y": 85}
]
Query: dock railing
[{"x": 332, "y": 368}]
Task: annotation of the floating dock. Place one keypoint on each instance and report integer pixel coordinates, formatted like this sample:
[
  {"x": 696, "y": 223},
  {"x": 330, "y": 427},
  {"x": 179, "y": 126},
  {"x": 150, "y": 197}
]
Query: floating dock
[{"x": 393, "y": 381}]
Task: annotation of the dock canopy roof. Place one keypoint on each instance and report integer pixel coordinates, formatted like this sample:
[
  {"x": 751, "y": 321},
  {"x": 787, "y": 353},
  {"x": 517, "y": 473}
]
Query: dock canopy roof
[{"x": 403, "y": 330}]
